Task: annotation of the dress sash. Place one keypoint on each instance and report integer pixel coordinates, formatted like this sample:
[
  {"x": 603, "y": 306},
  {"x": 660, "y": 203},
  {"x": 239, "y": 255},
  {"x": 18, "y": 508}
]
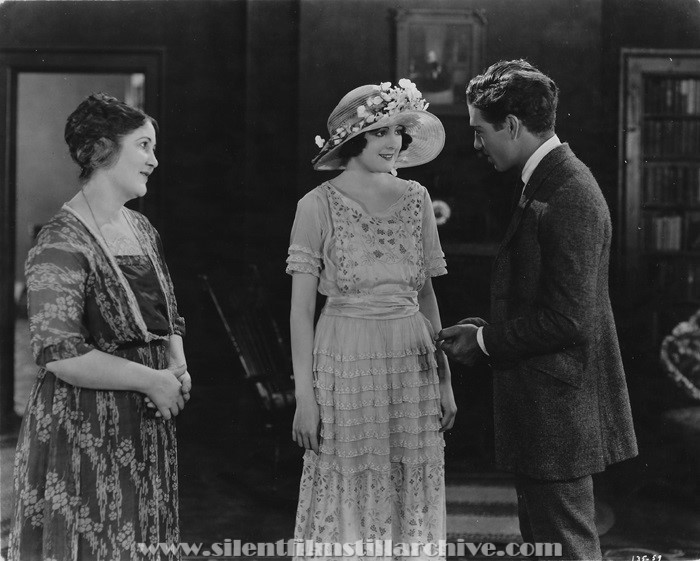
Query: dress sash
[{"x": 373, "y": 306}]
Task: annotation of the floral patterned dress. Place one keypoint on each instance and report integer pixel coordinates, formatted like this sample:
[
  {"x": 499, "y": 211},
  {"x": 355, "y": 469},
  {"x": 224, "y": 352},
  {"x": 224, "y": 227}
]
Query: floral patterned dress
[
  {"x": 380, "y": 471},
  {"x": 95, "y": 471}
]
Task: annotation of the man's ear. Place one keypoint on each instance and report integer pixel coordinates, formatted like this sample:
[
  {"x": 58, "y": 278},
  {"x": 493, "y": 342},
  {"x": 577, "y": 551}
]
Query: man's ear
[{"x": 514, "y": 126}]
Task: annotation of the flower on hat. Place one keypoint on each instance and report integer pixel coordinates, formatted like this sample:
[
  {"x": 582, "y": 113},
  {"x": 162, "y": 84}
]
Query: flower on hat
[
  {"x": 319, "y": 141},
  {"x": 389, "y": 101}
]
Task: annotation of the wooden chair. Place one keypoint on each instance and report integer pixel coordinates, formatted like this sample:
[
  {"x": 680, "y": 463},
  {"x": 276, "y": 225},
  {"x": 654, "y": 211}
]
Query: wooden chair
[{"x": 241, "y": 306}]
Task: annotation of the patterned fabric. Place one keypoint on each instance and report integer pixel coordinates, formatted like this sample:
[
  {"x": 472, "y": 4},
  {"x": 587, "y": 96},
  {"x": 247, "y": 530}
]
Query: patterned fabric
[
  {"x": 380, "y": 471},
  {"x": 680, "y": 356},
  {"x": 95, "y": 471}
]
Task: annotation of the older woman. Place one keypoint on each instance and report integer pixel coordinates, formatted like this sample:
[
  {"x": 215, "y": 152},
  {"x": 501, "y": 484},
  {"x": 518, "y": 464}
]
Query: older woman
[
  {"x": 96, "y": 463},
  {"x": 373, "y": 395}
]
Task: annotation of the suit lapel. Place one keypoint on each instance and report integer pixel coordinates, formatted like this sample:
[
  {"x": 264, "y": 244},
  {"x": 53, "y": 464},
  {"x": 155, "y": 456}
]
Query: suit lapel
[{"x": 550, "y": 162}]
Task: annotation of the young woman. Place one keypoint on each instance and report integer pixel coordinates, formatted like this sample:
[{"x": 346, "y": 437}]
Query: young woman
[
  {"x": 373, "y": 395},
  {"x": 96, "y": 463}
]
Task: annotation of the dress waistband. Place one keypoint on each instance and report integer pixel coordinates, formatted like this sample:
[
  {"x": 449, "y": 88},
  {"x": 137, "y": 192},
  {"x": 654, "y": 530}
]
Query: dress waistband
[{"x": 373, "y": 306}]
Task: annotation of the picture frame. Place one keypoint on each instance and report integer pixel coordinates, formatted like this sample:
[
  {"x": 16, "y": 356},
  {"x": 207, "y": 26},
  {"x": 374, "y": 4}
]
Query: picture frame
[{"x": 440, "y": 50}]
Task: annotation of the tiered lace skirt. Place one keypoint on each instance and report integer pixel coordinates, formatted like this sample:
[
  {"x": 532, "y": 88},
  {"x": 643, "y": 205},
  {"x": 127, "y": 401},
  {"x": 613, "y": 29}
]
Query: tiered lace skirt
[{"x": 380, "y": 472}]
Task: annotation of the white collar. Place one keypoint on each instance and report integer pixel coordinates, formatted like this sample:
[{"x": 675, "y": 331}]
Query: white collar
[{"x": 537, "y": 156}]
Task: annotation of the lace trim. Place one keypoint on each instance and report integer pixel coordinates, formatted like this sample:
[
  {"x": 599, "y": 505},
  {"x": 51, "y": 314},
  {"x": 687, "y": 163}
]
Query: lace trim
[
  {"x": 304, "y": 249},
  {"x": 437, "y": 271},
  {"x": 401, "y": 429},
  {"x": 429, "y": 461},
  {"x": 379, "y": 450},
  {"x": 348, "y": 471},
  {"x": 429, "y": 365},
  {"x": 436, "y": 259},
  {"x": 354, "y": 358},
  {"x": 302, "y": 268},
  {"x": 375, "y": 419},
  {"x": 304, "y": 259},
  {"x": 404, "y": 395},
  {"x": 372, "y": 387},
  {"x": 373, "y": 402}
]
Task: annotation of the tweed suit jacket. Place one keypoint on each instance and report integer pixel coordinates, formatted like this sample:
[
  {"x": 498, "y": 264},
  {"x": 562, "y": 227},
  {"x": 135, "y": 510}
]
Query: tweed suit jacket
[{"x": 561, "y": 404}]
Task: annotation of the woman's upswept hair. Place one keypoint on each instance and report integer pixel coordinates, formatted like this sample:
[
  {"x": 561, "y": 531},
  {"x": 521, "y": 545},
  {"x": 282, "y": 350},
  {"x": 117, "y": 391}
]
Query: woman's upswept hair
[
  {"x": 94, "y": 131},
  {"x": 515, "y": 87}
]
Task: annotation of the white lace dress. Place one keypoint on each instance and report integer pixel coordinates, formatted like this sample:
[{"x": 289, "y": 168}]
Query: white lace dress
[{"x": 380, "y": 472}]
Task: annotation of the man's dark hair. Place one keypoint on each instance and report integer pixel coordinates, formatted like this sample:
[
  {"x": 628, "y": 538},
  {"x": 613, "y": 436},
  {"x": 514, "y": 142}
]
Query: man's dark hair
[{"x": 515, "y": 87}]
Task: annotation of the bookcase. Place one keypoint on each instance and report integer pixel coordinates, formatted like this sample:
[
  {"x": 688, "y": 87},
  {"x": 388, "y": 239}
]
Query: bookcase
[{"x": 660, "y": 186}]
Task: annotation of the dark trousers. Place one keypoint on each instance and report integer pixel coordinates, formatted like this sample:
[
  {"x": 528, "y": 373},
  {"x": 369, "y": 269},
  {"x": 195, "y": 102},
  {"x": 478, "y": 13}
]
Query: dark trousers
[{"x": 559, "y": 512}]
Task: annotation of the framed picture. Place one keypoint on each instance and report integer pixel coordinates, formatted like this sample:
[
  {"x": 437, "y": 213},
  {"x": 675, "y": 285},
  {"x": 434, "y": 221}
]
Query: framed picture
[{"x": 440, "y": 50}]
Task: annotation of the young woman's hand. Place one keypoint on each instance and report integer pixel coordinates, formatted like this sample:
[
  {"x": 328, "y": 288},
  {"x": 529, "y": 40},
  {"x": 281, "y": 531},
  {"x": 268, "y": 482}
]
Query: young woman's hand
[
  {"x": 165, "y": 392},
  {"x": 306, "y": 427},
  {"x": 448, "y": 406}
]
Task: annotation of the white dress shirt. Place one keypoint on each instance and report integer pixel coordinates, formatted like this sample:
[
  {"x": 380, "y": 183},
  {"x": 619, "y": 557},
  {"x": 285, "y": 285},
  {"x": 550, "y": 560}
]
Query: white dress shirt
[{"x": 528, "y": 169}]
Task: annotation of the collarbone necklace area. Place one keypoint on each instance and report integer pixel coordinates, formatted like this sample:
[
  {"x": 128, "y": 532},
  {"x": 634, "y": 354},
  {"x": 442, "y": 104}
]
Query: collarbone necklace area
[{"x": 118, "y": 242}]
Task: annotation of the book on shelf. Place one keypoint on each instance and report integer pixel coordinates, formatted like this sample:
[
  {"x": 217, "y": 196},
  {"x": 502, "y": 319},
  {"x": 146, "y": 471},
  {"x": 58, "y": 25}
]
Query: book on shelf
[
  {"x": 664, "y": 232},
  {"x": 671, "y": 184},
  {"x": 672, "y": 96},
  {"x": 678, "y": 279},
  {"x": 669, "y": 137}
]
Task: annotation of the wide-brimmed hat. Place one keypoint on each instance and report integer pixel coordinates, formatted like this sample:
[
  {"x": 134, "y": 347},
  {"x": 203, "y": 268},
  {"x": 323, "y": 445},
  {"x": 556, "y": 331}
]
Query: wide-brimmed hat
[{"x": 372, "y": 107}]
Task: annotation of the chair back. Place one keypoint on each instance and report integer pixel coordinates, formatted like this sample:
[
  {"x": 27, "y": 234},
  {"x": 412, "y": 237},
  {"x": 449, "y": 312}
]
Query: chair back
[{"x": 242, "y": 309}]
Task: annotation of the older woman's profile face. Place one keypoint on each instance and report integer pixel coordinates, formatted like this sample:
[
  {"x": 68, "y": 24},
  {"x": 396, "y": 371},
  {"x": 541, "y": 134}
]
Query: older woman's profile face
[{"x": 135, "y": 163}]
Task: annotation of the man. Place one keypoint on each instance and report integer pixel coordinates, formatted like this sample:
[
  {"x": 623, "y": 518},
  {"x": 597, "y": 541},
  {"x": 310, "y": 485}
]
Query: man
[{"x": 561, "y": 408}]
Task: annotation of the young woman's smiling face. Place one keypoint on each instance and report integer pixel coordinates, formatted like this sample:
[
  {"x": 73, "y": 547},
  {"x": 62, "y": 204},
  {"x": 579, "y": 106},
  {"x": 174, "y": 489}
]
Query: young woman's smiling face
[
  {"x": 135, "y": 163},
  {"x": 382, "y": 150}
]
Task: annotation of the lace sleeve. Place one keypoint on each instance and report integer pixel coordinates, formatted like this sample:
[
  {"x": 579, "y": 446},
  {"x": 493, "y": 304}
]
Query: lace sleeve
[
  {"x": 435, "y": 264},
  {"x": 306, "y": 239}
]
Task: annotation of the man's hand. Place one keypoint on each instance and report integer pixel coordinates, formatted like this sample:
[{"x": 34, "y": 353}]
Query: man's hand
[
  {"x": 459, "y": 343},
  {"x": 479, "y": 322}
]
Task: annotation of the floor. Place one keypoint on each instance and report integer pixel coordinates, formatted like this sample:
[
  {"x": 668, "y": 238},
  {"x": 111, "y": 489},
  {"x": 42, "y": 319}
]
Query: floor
[{"x": 233, "y": 487}]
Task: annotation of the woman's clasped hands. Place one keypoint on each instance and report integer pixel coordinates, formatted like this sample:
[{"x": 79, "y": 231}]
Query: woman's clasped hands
[{"x": 169, "y": 391}]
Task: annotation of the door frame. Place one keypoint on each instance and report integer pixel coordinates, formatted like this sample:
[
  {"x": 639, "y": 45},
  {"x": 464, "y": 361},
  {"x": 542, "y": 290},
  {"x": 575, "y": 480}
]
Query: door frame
[{"x": 149, "y": 62}]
